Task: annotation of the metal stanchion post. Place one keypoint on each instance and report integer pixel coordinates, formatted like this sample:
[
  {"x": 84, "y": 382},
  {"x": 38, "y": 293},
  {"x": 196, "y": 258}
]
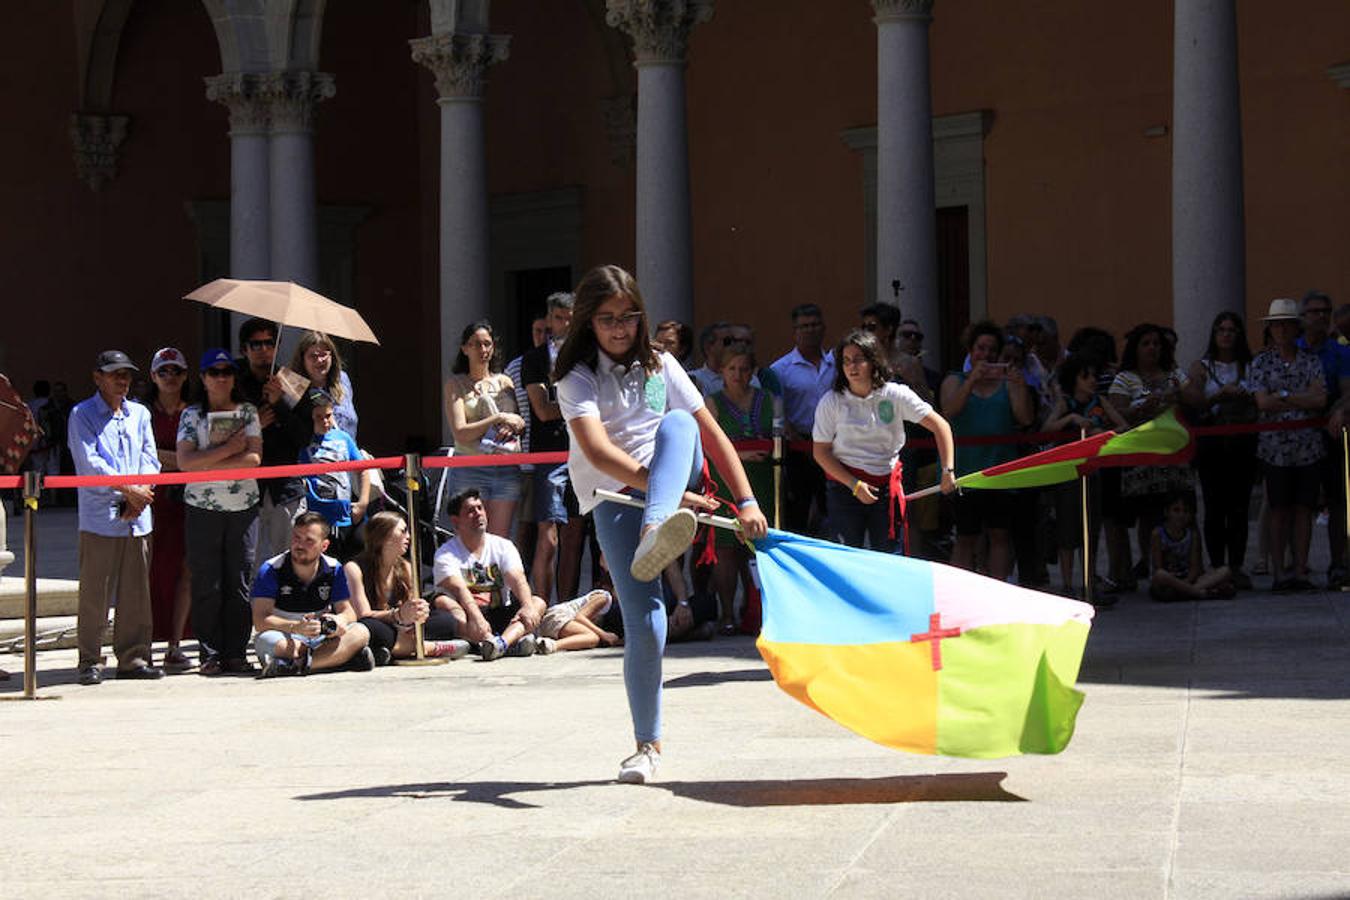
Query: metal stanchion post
[
  {"x": 412, "y": 480},
  {"x": 1345, "y": 472},
  {"x": 1087, "y": 531},
  {"x": 32, "y": 489},
  {"x": 777, "y": 461}
]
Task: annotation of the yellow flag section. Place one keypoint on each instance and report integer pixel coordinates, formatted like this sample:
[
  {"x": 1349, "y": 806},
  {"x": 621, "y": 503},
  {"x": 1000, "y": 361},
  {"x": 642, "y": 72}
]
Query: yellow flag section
[{"x": 920, "y": 656}]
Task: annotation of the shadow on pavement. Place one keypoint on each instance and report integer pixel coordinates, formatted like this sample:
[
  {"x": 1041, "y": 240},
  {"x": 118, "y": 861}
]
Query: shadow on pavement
[
  {"x": 707, "y": 679},
  {"x": 954, "y": 787}
]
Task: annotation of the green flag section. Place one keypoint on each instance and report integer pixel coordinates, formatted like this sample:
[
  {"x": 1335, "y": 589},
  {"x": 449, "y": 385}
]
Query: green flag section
[{"x": 1163, "y": 441}]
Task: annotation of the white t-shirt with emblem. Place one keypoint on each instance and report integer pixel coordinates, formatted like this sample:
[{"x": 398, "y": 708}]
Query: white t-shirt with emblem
[
  {"x": 868, "y": 432},
  {"x": 484, "y": 572},
  {"x": 630, "y": 404}
]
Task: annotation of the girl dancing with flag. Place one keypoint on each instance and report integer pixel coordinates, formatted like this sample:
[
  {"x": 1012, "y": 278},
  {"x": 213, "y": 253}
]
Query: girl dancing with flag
[{"x": 637, "y": 424}]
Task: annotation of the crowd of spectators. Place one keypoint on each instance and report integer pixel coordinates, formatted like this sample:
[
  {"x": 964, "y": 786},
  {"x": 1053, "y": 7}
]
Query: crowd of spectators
[{"x": 321, "y": 575}]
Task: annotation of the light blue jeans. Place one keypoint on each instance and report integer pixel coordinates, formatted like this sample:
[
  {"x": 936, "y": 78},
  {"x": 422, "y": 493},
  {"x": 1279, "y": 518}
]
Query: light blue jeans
[{"x": 676, "y": 466}]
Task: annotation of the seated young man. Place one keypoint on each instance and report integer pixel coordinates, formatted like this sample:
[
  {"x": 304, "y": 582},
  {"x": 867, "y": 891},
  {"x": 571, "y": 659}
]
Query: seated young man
[
  {"x": 573, "y": 624},
  {"x": 302, "y": 608},
  {"x": 484, "y": 584},
  {"x": 331, "y": 493}
]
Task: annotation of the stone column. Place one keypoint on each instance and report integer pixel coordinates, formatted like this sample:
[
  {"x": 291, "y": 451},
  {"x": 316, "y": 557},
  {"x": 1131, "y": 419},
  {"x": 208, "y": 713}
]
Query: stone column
[
  {"x": 460, "y": 63},
  {"x": 906, "y": 208},
  {"x": 250, "y": 252},
  {"x": 293, "y": 221},
  {"x": 1208, "y": 241},
  {"x": 660, "y": 31}
]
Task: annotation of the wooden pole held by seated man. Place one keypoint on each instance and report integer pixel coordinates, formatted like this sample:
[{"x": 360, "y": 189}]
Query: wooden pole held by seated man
[{"x": 412, "y": 480}]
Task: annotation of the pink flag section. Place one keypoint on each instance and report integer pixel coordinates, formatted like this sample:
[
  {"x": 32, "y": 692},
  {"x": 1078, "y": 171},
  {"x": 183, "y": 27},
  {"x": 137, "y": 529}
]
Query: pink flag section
[{"x": 966, "y": 600}]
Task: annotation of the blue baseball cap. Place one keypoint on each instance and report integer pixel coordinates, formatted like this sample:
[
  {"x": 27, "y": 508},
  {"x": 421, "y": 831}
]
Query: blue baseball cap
[{"x": 215, "y": 356}]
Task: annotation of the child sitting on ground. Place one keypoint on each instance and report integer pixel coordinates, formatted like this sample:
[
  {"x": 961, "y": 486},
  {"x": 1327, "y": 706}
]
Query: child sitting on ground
[
  {"x": 1175, "y": 551},
  {"x": 571, "y": 625}
]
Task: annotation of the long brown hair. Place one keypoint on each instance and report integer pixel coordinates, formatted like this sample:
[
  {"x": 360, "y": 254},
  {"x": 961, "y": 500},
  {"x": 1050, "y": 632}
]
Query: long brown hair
[
  {"x": 312, "y": 338},
  {"x": 379, "y": 531},
  {"x": 867, "y": 342},
  {"x": 595, "y": 287}
]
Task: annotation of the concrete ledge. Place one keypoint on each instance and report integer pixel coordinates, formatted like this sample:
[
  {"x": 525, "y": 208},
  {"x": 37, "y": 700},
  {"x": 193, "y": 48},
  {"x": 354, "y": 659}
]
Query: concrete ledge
[
  {"x": 54, "y": 633},
  {"x": 56, "y": 597}
]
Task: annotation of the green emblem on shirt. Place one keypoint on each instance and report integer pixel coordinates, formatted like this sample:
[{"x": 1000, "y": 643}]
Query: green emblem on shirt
[
  {"x": 655, "y": 392},
  {"x": 886, "y": 411}
]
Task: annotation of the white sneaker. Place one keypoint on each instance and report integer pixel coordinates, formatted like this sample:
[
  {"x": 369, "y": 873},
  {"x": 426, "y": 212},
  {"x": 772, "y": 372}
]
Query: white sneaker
[
  {"x": 640, "y": 768},
  {"x": 661, "y": 545},
  {"x": 544, "y": 646}
]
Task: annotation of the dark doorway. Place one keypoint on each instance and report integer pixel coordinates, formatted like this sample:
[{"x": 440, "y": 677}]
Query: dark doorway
[
  {"x": 526, "y": 293},
  {"x": 953, "y": 255}
]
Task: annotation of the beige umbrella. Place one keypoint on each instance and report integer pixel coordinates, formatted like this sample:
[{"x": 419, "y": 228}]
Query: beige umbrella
[{"x": 285, "y": 303}]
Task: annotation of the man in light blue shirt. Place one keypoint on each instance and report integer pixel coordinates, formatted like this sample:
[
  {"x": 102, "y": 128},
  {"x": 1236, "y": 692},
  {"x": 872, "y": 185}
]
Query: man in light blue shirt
[
  {"x": 806, "y": 373},
  {"x": 110, "y": 435}
]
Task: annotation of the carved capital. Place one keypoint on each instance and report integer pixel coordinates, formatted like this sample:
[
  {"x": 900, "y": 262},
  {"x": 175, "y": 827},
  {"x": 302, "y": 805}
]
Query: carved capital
[
  {"x": 244, "y": 96},
  {"x": 659, "y": 29},
  {"x": 621, "y": 128},
  {"x": 460, "y": 61},
  {"x": 902, "y": 10},
  {"x": 293, "y": 97},
  {"x": 96, "y": 137}
]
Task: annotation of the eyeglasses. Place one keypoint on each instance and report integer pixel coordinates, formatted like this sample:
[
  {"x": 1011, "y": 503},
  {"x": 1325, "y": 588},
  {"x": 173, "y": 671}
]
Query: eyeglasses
[
  {"x": 610, "y": 323},
  {"x": 220, "y": 372},
  {"x": 870, "y": 326},
  {"x": 262, "y": 345},
  {"x": 733, "y": 339},
  {"x": 171, "y": 371},
  {"x": 316, "y": 353},
  {"x": 912, "y": 335}
]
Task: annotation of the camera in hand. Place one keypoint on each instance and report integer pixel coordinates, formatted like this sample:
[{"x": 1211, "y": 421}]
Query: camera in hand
[{"x": 327, "y": 625}]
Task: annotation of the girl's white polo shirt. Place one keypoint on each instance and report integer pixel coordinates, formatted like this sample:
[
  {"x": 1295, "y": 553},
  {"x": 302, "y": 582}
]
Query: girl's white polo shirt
[{"x": 867, "y": 432}]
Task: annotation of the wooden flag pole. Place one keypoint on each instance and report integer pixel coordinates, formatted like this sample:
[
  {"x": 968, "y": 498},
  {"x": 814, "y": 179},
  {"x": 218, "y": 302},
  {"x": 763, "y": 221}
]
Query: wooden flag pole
[
  {"x": 1087, "y": 553},
  {"x": 412, "y": 480}
]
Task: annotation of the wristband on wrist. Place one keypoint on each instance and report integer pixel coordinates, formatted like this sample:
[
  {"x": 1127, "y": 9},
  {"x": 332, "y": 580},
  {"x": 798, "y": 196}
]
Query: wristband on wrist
[
  {"x": 682, "y": 603},
  {"x": 747, "y": 501},
  {"x": 857, "y": 484}
]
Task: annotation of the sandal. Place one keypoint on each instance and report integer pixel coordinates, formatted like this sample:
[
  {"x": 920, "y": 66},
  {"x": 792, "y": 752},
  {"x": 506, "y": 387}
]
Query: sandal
[
  {"x": 728, "y": 629},
  {"x": 211, "y": 666}
]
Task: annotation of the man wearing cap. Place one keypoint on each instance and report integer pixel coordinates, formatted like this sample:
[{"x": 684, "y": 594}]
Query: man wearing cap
[{"x": 109, "y": 435}]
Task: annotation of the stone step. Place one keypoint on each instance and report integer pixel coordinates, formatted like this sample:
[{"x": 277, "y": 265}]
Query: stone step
[
  {"x": 53, "y": 633},
  {"x": 56, "y": 597}
]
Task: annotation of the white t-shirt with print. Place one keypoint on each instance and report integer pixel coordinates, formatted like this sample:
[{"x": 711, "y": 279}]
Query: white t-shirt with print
[
  {"x": 630, "y": 404},
  {"x": 485, "y": 571},
  {"x": 221, "y": 496},
  {"x": 868, "y": 432}
]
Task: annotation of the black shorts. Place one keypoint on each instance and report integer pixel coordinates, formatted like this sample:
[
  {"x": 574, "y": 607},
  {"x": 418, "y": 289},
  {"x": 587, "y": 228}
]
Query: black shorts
[
  {"x": 498, "y": 617},
  {"x": 1292, "y": 485},
  {"x": 977, "y": 510}
]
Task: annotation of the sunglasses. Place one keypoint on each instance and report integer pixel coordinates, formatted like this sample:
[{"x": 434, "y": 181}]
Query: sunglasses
[
  {"x": 220, "y": 372},
  {"x": 609, "y": 322},
  {"x": 262, "y": 345},
  {"x": 728, "y": 341},
  {"x": 171, "y": 371},
  {"x": 912, "y": 335}
]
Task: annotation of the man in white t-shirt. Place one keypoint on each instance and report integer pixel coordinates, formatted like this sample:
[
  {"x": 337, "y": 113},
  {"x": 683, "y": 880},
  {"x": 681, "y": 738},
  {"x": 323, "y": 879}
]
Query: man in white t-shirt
[{"x": 484, "y": 583}]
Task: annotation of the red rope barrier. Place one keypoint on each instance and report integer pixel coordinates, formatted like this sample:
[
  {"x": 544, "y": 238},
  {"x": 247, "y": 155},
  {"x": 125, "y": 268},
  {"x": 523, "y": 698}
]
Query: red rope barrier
[{"x": 523, "y": 459}]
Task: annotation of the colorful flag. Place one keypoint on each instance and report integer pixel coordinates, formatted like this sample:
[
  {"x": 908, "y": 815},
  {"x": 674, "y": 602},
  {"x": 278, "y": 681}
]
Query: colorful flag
[
  {"x": 1158, "y": 442},
  {"x": 917, "y": 655}
]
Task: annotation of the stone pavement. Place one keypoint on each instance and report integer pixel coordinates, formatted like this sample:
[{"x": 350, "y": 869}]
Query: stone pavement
[{"x": 1212, "y": 760}]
